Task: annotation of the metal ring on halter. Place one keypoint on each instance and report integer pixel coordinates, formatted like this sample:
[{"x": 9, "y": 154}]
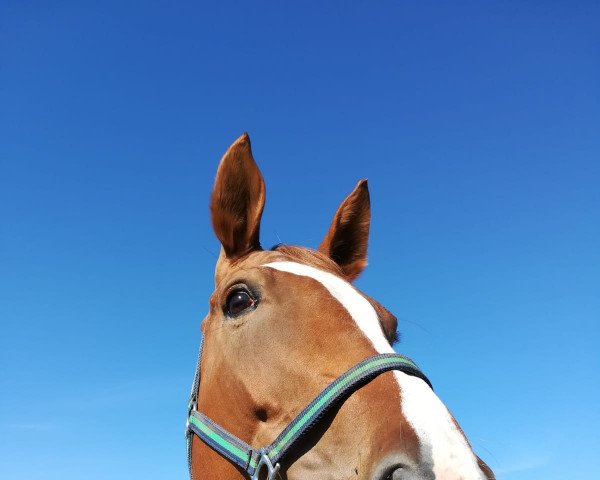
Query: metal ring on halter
[
  {"x": 191, "y": 407},
  {"x": 265, "y": 461}
]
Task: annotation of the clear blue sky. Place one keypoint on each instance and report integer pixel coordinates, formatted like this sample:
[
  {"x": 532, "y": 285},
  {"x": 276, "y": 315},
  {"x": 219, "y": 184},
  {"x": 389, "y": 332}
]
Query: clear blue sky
[{"x": 478, "y": 127}]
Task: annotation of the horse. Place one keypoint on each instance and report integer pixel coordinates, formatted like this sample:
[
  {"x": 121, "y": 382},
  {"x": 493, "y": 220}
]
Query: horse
[{"x": 285, "y": 329}]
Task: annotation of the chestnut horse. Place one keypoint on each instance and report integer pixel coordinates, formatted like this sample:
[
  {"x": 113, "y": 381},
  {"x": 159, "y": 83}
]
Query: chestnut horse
[{"x": 283, "y": 325}]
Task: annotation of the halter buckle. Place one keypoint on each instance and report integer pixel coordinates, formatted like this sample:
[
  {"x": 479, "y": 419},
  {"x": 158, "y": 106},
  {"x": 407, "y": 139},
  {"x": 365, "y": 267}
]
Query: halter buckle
[
  {"x": 265, "y": 461},
  {"x": 191, "y": 407}
]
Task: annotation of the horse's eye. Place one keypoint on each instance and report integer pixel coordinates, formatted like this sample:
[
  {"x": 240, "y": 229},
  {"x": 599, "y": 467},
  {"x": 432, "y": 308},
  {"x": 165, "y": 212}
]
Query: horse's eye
[{"x": 237, "y": 302}]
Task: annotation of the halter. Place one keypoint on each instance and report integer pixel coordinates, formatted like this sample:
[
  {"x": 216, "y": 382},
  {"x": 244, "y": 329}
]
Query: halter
[{"x": 256, "y": 461}]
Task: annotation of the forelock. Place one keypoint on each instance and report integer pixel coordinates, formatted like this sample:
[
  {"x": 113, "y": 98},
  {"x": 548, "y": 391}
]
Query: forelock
[{"x": 310, "y": 257}]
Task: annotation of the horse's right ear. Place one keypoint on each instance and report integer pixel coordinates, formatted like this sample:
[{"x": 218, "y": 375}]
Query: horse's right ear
[
  {"x": 237, "y": 200},
  {"x": 347, "y": 238}
]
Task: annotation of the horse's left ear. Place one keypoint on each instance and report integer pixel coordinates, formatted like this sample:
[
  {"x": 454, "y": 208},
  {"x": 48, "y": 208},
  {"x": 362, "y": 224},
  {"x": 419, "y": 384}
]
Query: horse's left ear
[{"x": 348, "y": 236}]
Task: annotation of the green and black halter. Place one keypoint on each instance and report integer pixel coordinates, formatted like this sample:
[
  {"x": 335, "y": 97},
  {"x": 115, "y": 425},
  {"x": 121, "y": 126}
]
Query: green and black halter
[{"x": 254, "y": 461}]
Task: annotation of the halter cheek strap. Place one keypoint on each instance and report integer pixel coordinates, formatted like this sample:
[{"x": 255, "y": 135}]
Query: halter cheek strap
[{"x": 269, "y": 458}]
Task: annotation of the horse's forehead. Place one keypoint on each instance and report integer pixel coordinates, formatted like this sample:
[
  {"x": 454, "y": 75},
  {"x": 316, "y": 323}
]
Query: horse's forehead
[
  {"x": 359, "y": 308},
  {"x": 226, "y": 268}
]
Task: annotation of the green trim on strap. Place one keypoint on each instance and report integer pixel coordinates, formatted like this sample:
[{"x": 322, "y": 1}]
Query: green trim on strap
[
  {"x": 308, "y": 415},
  {"x": 249, "y": 459},
  {"x": 214, "y": 436}
]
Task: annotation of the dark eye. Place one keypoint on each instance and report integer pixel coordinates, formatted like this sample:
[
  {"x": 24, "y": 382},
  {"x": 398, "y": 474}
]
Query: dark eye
[{"x": 237, "y": 302}]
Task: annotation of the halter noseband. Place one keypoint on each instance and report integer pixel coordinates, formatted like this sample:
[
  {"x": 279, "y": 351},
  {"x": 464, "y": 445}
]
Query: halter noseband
[{"x": 269, "y": 458}]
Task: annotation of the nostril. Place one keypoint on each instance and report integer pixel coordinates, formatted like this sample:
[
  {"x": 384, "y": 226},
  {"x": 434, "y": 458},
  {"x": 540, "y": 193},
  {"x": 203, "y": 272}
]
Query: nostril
[
  {"x": 394, "y": 472},
  {"x": 396, "y": 466},
  {"x": 392, "y": 469}
]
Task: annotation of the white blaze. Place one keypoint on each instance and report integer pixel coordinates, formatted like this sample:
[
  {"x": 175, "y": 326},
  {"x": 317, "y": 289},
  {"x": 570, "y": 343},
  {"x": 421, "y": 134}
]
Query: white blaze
[{"x": 438, "y": 436}]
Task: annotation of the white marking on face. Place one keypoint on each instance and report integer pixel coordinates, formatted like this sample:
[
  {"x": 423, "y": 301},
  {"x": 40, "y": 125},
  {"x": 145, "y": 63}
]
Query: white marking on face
[
  {"x": 358, "y": 306},
  {"x": 438, "y": 436}
]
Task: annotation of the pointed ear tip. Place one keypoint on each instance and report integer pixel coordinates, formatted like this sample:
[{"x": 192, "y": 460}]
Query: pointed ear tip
[
  {"x": 363, "y": 183},
  {"x": 242, "y": 141},
  {"x": 362, "y": 188},
  {"x": 240, "y": 149}
]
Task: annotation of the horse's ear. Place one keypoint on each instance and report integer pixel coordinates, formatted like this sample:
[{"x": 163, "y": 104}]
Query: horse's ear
[
  {"x": 237, "y": 200},
  {"x": 347, "y": 238}
]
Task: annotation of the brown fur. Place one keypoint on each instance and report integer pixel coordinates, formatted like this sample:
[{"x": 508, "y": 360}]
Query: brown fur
[
  {"x": 262, "y": 367},
  {"x": 238, "y": 200},
  {"x": 347, "y": 238}
]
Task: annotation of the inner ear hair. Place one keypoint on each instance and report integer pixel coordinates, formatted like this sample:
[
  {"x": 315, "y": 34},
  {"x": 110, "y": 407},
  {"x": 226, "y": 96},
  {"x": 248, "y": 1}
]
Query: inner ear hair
[{"x": 347, "y": 239}]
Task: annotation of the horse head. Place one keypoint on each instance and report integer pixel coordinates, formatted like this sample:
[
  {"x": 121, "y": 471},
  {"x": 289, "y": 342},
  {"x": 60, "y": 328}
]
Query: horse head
[{"x": 284, "y": 324}]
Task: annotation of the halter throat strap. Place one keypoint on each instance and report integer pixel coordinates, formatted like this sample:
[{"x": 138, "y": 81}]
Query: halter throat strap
[{"x": 269, "y": 458}]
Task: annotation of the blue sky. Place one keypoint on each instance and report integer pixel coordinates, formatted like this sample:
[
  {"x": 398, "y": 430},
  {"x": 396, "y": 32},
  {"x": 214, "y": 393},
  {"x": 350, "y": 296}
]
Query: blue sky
[{"x": 477, "y": 126}]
